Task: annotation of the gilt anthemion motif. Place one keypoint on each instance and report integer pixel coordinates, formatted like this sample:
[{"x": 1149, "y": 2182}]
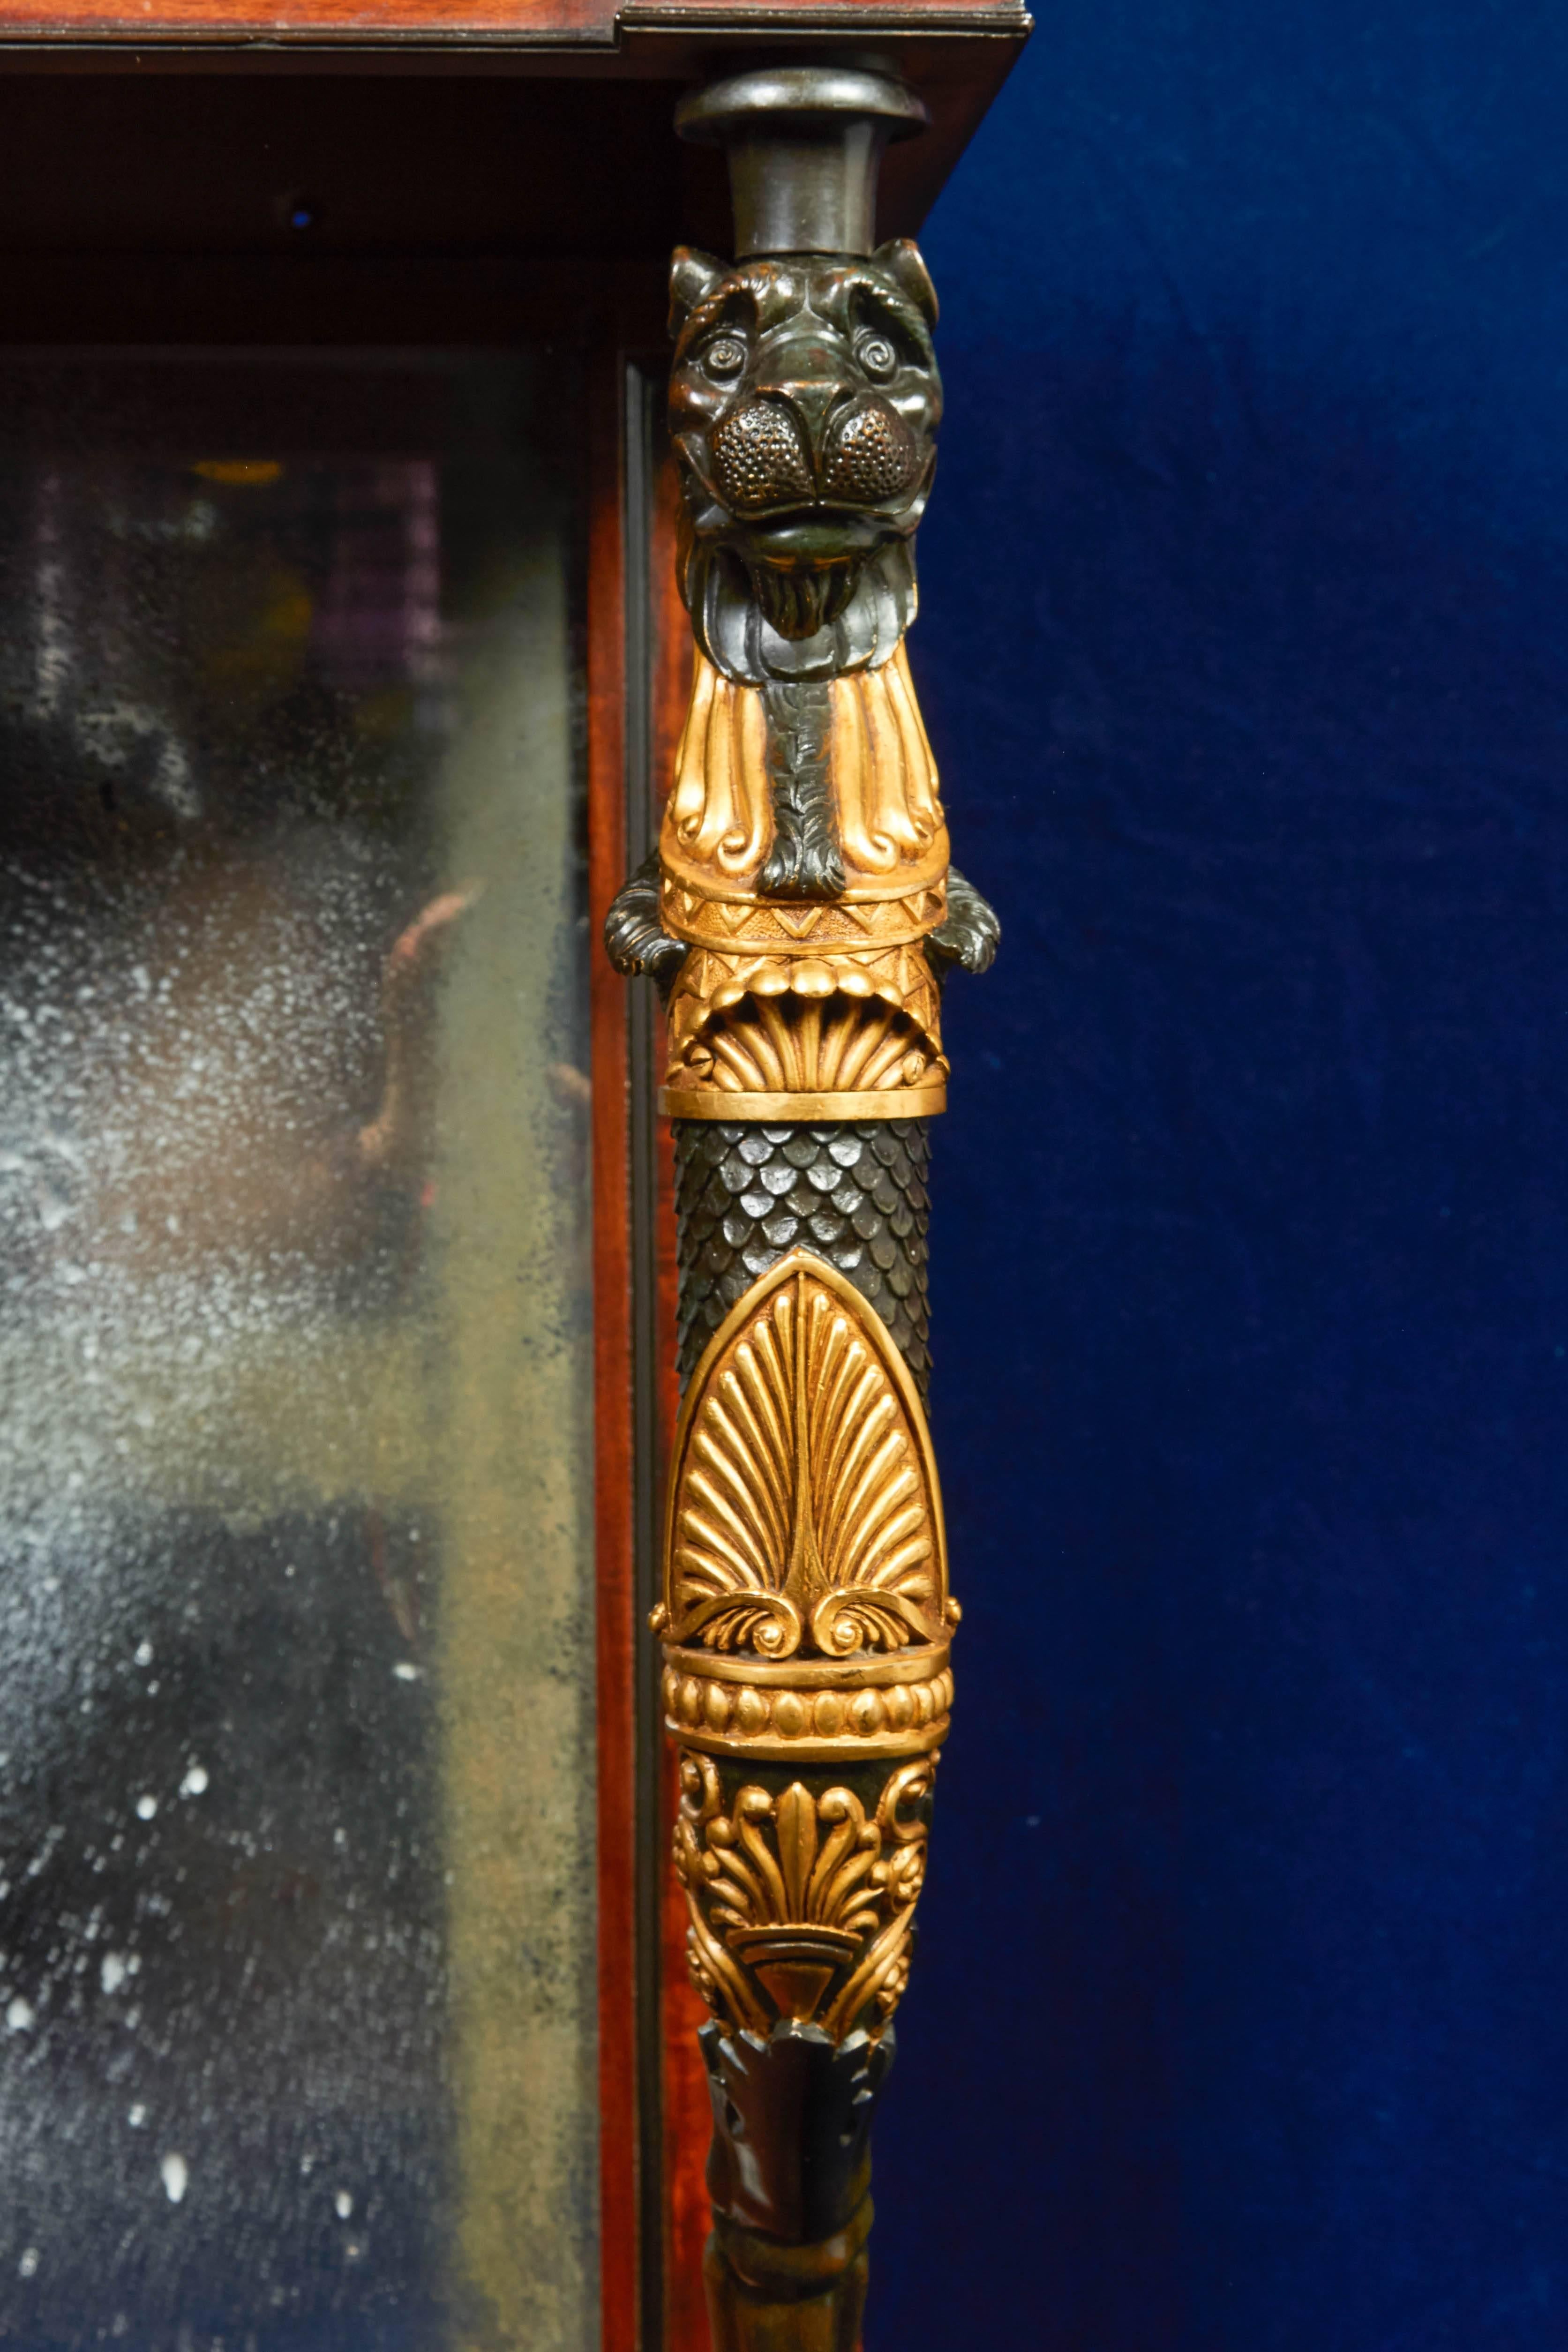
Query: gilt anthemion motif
[
  {"x": 801, "y": 1902},
  {"x": 805, "y": 1515}
]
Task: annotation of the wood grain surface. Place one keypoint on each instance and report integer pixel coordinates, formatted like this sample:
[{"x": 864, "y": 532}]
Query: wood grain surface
[
  {"x": 613, "y": 1426},
  {"x": 525, "y": 23},
  {"x": 685, "y": 2116}
]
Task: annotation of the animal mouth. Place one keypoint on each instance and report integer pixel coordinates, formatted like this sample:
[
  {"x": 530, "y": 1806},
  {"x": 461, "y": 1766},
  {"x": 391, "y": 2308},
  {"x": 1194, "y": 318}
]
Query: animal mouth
[
  {"x": 797, "y": 600},
  {"x": 817, "y": 536}
]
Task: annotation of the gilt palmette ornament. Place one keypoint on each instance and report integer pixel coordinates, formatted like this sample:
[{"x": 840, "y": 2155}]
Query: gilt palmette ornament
[{"x": 800, "y": 919}]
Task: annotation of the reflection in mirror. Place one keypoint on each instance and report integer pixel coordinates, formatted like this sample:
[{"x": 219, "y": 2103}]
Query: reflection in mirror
[{"x": 296, "y": 1734}]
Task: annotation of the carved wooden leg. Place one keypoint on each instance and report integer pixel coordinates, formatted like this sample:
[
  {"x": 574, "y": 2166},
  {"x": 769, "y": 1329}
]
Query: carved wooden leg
[{"x": 800, "y": 920}]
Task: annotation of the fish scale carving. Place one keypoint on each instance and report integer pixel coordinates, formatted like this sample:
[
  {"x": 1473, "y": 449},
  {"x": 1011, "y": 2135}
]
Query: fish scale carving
[{"x": 852, "y": 1191}]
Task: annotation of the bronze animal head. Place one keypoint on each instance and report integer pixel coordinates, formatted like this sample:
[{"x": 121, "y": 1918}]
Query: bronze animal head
[{"x": 803, "y": 401}]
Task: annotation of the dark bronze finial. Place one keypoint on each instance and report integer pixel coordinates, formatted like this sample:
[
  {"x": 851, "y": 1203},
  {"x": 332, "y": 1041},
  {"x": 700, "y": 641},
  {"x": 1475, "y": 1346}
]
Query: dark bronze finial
[{"x": 804, "y": 144}]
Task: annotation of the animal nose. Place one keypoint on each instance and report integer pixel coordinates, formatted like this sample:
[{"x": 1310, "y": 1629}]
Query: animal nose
[
  {"x": 867, "y": 454},
  {"x": 812, "y": 399},
  {"x": 761, "y": 458}
]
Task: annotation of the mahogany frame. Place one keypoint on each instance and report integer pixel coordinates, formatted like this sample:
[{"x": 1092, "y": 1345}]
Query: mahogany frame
[{"x": 653, "y": 2094}]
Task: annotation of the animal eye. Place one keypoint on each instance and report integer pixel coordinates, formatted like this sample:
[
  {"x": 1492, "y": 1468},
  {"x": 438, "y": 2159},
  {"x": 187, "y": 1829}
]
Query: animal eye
[
  {"x": 879, "y": 358},
  {"x": 725, "y": 356}
]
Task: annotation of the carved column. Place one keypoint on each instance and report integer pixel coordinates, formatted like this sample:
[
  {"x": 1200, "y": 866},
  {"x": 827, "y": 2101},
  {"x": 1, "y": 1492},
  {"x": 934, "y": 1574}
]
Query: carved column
[{"x": 800, "y": 917}]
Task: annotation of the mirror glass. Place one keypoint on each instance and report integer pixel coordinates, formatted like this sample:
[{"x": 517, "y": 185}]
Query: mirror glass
[{"x": 296, "y": 1968}]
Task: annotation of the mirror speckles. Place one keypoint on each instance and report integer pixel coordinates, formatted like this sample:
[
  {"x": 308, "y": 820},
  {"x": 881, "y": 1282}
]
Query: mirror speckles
[{"x": 273, "y": 1471}]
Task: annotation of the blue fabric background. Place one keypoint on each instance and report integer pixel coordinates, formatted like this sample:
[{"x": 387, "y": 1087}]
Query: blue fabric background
[{"x": 1240, "y": 2018}]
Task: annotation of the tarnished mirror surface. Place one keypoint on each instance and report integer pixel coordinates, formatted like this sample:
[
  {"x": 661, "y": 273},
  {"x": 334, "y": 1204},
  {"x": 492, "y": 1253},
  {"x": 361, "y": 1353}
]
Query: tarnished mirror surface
[{"x": 296, "y": 1876}]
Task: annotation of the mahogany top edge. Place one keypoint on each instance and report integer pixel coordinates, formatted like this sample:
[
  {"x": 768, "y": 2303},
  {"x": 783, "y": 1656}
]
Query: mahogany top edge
[{"x": 601, "y": 35}]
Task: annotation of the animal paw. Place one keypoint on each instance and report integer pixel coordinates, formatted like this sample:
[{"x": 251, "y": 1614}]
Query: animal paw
[
  {"x": 969, "y": 933},
  {"x": 635, "y": 940}
]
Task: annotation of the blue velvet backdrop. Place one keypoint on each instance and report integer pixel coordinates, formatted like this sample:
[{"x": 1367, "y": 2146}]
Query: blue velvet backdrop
[{"x": 1240, "y": 2018}]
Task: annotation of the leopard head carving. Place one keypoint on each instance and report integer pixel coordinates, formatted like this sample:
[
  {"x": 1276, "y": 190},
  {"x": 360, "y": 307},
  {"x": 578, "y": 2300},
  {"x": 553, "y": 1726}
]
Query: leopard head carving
[{"x": 804, "y": 403}]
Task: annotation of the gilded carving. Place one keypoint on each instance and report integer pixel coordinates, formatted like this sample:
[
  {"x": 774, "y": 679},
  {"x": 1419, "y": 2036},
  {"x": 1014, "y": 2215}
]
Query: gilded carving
[
  {"x": 833, "y": 1712},
  {"x": 889, "y": 818},
  {"x": 699, "y": 918},
  {"x": 804, "y": 1511},
  {"x": 720, "y": 820},
  {"x": 833, "y": 1022},
  {"x": 831, "y": 993},
  {"x": 718, "y": 823},
  {"x": 801, "y": 1900}
]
